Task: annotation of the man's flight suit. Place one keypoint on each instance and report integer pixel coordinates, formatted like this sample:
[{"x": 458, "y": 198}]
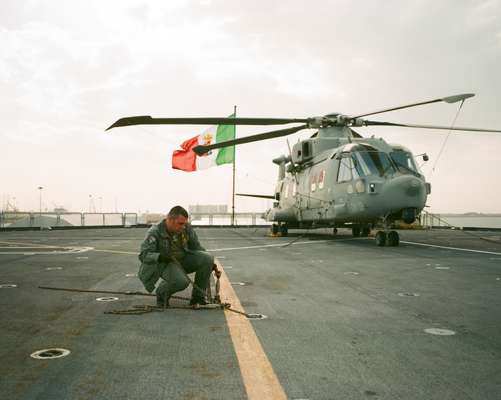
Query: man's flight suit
[{"x": 186, "y": 249}]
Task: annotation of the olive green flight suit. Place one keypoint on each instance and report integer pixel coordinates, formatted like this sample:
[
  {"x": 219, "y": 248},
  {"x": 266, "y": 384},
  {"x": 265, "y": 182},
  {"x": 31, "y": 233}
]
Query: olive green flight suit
[{"x": 196, "y": 259}]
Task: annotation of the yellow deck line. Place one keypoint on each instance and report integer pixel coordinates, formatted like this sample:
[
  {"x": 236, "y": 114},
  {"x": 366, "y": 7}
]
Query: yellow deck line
[{"x": 260, "y": 380}]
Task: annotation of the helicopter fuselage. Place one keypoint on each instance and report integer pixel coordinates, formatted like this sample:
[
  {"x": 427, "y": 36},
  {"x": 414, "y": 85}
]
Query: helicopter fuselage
[{"x": 335, "y": 179}]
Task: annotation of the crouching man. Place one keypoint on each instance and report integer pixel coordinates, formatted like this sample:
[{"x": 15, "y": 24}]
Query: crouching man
[{"x": 170, "y": 251}]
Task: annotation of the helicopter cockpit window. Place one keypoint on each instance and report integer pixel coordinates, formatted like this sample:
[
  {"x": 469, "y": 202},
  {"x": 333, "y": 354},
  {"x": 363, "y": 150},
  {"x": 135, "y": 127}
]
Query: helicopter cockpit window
[
  {"x": 404, "y": 162},
  {"x": 372, "y": 163}
]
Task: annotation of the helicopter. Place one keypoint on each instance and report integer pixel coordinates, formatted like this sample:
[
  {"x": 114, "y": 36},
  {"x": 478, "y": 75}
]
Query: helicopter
[{"x": 335, "y": 178}]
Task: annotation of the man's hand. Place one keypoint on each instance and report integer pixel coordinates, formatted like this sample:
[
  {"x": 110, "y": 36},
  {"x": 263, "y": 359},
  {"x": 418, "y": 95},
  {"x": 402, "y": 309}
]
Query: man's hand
[{"x": 217, "y": 272}]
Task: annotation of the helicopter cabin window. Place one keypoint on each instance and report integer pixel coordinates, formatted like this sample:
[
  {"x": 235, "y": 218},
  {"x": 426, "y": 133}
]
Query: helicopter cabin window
[
  {"x": 306, "y": 149},
  {"x": 347, "y": 170}
]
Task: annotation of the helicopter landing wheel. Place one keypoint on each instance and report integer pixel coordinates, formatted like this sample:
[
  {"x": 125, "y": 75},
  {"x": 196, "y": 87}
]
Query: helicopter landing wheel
[
  {"x": 274, "y": 229},
  {"x": 355, "y": 230},
  {"x": 380, "y": 238},
  {"x": 393, "y": 238},
  {"x": 284, "y": 230},
  {"x": 366, "y": 230}
]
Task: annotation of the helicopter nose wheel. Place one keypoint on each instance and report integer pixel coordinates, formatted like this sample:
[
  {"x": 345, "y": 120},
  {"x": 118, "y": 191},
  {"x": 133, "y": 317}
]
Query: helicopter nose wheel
[
  {"x": 391, "y": 238},
  {"x": 380, "y": 238}
]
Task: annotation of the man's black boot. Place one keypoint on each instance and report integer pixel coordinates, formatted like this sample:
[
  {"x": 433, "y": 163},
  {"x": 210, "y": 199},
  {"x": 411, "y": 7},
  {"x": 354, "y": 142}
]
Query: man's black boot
[
  {"x": 196, "y": 302},
  {"x": 162, "y": 301}
]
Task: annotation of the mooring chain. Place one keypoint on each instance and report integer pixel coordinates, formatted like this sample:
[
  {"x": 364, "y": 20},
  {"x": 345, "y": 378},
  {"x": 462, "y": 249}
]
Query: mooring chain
[{"x": 146, "y": 308}]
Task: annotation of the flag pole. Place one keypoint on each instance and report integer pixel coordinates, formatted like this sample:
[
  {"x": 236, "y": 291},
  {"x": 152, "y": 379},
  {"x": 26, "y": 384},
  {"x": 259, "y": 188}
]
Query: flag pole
[{"x": 233, "y": 191}]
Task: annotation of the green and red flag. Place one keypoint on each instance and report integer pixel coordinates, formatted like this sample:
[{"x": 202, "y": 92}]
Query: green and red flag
[{"x": 187, "y": 160}]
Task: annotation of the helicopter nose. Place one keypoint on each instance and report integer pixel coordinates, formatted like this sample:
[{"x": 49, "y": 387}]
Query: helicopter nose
[
  {"x": 412, "y": 187},
  {"x": 409, "y": 190}
]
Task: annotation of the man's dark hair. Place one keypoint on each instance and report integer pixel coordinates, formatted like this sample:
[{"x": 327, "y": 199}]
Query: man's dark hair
[{"x": 177, "y": 211}]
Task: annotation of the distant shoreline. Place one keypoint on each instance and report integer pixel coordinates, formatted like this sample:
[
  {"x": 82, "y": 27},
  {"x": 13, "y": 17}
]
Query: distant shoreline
[{"x": 469, "y": 214}]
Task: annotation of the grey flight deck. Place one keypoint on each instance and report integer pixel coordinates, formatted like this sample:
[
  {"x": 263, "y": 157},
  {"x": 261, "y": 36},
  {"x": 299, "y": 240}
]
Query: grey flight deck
[{"x": 342, "y": 322}]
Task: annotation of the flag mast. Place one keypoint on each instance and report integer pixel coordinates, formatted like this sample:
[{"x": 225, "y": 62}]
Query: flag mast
[{"x": 233, "y": 191}]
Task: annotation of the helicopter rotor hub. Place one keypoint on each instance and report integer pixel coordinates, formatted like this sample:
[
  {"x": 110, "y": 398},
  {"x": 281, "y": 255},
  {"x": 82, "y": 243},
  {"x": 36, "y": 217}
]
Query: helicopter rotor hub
[
  {"x": 357, "y": 122},
  {"x": 317, "y": 122},
  {"x": 342, "y": 119}
]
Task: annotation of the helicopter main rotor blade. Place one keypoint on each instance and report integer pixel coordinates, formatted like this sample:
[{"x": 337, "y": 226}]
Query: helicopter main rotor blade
[
  {"x": 454, "y": 128},
  {"x": 148, "y": 120},
  {"x": 248, "y": 139},
  {"x": 449, "y": 99}
]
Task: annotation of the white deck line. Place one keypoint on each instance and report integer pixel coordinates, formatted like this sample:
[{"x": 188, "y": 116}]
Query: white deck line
[
  {"x": 452, "y": 248},
  {"x": 285, "y": 244}
]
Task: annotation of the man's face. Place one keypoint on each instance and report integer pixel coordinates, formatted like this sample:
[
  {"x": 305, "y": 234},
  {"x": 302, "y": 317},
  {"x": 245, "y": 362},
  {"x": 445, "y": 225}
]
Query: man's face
[{"x": 177, "y": 224}]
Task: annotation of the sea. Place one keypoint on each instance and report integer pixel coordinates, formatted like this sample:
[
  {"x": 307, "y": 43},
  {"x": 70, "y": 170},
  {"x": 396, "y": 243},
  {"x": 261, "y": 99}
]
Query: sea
[{"x": 461, "y": 221}]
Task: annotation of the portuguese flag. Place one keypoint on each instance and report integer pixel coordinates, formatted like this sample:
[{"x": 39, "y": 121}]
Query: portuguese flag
[{"x": 187, "y": 160}]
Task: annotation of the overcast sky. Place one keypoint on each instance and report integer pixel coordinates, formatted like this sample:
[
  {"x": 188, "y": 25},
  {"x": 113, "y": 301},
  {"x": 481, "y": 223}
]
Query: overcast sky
[{"x": 69, "y": 69}]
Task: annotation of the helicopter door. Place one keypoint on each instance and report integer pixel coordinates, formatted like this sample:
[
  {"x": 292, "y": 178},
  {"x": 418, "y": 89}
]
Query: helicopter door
[{"x": 344, "y": 183}]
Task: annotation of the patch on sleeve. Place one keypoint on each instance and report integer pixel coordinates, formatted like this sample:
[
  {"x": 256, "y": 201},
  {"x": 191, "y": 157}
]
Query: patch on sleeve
[{"x": 152, "y": 239}]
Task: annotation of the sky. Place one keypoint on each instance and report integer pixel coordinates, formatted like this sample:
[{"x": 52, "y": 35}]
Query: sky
[{"x": 69, "y": 69}]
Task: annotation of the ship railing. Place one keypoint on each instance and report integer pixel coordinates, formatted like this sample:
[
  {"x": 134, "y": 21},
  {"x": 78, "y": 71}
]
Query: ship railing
[{"x": 18, "y": 219}]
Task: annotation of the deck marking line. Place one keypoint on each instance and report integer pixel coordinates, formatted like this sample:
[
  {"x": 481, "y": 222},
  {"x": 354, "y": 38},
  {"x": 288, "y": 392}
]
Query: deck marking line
[
  {"x": 34, "y": 244},
  {"x": 283, "y": 244},
  {"x": 117, "y": 251},
  {"x": 32, "y": 247},
  {"x": 452, "y": 248},
  {"x": 260, "y": 380}
]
